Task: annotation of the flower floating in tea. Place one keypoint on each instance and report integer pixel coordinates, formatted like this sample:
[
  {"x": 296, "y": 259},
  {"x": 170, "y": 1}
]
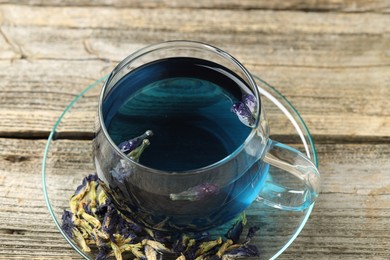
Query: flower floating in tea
[
  {"x": 128, "y": 146},
  {"x": 246, "y": 110}
]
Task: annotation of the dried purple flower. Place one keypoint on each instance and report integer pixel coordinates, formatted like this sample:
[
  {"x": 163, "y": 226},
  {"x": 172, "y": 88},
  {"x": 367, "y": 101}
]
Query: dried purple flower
[
  {"x": 125, "y": 229},
  {"x": 116, "y": 250},
  {"x": 159, "y": 247},
  {"x": 243, "y": 113},
  {"x": 223, "y": 248},
  {"x": 104, "y": 252},
  {"x": 151, "y": 253},
  {"x": 246, "y": 250},
  {"x": 128, "y": 146},
  {"x": 207, "y": 246},
  {"x": 110, "y": 221},
  {"x": 67, "y": 223},
  {"x": 136, "y": 153},
  {"x": 135, "y": 249},
  {"x": 114, "y": 234},
  {"x": 180, "y": 244},
  {"x": 80, "y": 240},
  {"x": 250, "y": 102},
  {"x": 251, "y": 233},
  {"x": 235, "y": 231}
]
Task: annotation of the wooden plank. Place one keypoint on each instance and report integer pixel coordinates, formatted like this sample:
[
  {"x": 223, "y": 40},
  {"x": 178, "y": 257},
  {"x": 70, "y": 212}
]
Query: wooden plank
[
  {"x": 349, "y": 220},
  {"x": 293, "y": 58},
  {"x": 301, "y": 5},
  {"x": 206, "y": 20},
  {"x": 331, "y": 101}
]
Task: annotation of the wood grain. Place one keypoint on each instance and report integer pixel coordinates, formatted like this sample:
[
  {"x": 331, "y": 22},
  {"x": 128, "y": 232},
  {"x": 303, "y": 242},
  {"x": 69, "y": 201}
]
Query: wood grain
[
  {"x": 350, "y": 218},
  {"x": 301, "y": 5},
  {"x": 330, "y": 58},
  {"x": 293, "y": 58}
]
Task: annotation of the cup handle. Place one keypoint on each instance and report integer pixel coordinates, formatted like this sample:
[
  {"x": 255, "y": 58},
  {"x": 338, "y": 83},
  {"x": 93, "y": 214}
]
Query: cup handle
[{"x": 294, "y": 162}]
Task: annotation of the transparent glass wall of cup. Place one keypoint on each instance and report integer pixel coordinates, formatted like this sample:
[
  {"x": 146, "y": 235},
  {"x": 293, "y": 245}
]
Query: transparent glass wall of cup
[{"x": 144, "y": 194}]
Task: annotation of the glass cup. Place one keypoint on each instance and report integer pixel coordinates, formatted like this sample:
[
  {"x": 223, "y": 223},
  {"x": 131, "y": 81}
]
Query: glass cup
[{"x": 209, "y": 196}]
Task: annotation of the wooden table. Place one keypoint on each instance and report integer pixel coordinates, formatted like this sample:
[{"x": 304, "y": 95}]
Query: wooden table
[{"x": 330, "y": 58}]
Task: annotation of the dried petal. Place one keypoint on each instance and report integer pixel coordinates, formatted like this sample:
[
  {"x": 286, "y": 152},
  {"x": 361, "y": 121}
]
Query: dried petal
[
  {"x": 89, "y": 218},
  {"x": 181, "y": 257},
  {"x": 180, "y": 245},
  {"x": 251, "y": 233},
  {"x": 243, "y": 251},
  {"x": 120, "y": 240},
  {"x": 151, "y": 253},
  {"x": 116, "y": 250},
  {"x": 207, "y": 246},
  {"x": 223, "y": 248},
  {"x": 101, "y": 234},
  {"x": 235, "y": 231},
  {"x": 159, "y": 247},
  {"x": 128, "y": 146},
  {"x": 243, "y": 113},
  {"x": 135, "y": 249},
  {"x": 80, "y": 240},
  {"x": 83, "y": 225},
  {"x": 92, "y": 195},
  {"x": 136, "y": 153},
  {"x": 104, "y": 252},
  {"x": 250, "y": 102},
  {"x": 67, "y": 223},
  {"x": 110, "y": 220},
  {"x": 102, "y": 198}
]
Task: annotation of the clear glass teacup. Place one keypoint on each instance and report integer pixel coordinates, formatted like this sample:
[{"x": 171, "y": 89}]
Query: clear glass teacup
[{"x": 182, "y": 141}]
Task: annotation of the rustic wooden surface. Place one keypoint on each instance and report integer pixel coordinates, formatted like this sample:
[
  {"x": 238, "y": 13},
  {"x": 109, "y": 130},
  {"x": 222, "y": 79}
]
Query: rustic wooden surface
[{"x": 330, "y": 58}]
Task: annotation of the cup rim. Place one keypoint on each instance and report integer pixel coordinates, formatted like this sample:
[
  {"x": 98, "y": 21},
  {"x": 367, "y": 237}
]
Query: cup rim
[{"x": 175, "y": 44}]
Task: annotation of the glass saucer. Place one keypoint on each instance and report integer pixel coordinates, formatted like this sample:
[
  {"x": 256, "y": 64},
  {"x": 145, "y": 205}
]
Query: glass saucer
[{"x": 68, "y": 158}]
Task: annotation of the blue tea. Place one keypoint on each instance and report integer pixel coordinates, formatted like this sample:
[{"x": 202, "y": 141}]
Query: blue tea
[{"x": 186, "y": 103}]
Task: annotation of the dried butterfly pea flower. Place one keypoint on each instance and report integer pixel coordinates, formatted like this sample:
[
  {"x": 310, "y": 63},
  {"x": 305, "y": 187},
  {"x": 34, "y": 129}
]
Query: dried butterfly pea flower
[
  {"x": 136, "y": 153},
  {"x": 207, "y": 246},
  {"x": 120, "y": 240},
  {"x": 118, "y": 234},
  {"x": 235, "y": 231},
  {"x": 92, "y": 196},
  {"x": 83, "y": 225},
  {"x": 135, "y": 249},
  {"x": 251, "y": 233},
  {"x": 157, "y": 235},
  {"x": 250, "y": 102},
  {"x": 128, "y": 146},
  {"x": 181, "y": 257},
  {"x": 180, "y": 244},
  {"x": 110, "y": 221},
  {"x": 243, "y": 251},
  {"x": 76, "y": 234},
  {"x": 243, "y": 113},
  {"x": 104, "y": 251},
  {"x": 151, "y": 253},
  {"x": 102, "y": 198},
  {"x": 116, "y": 250},
  {"x": 224, "y": 247},
  {"x": 67, "y": 223},
  {"x": 89, "y": 218},
  {"x": 159, "y": 247}
]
